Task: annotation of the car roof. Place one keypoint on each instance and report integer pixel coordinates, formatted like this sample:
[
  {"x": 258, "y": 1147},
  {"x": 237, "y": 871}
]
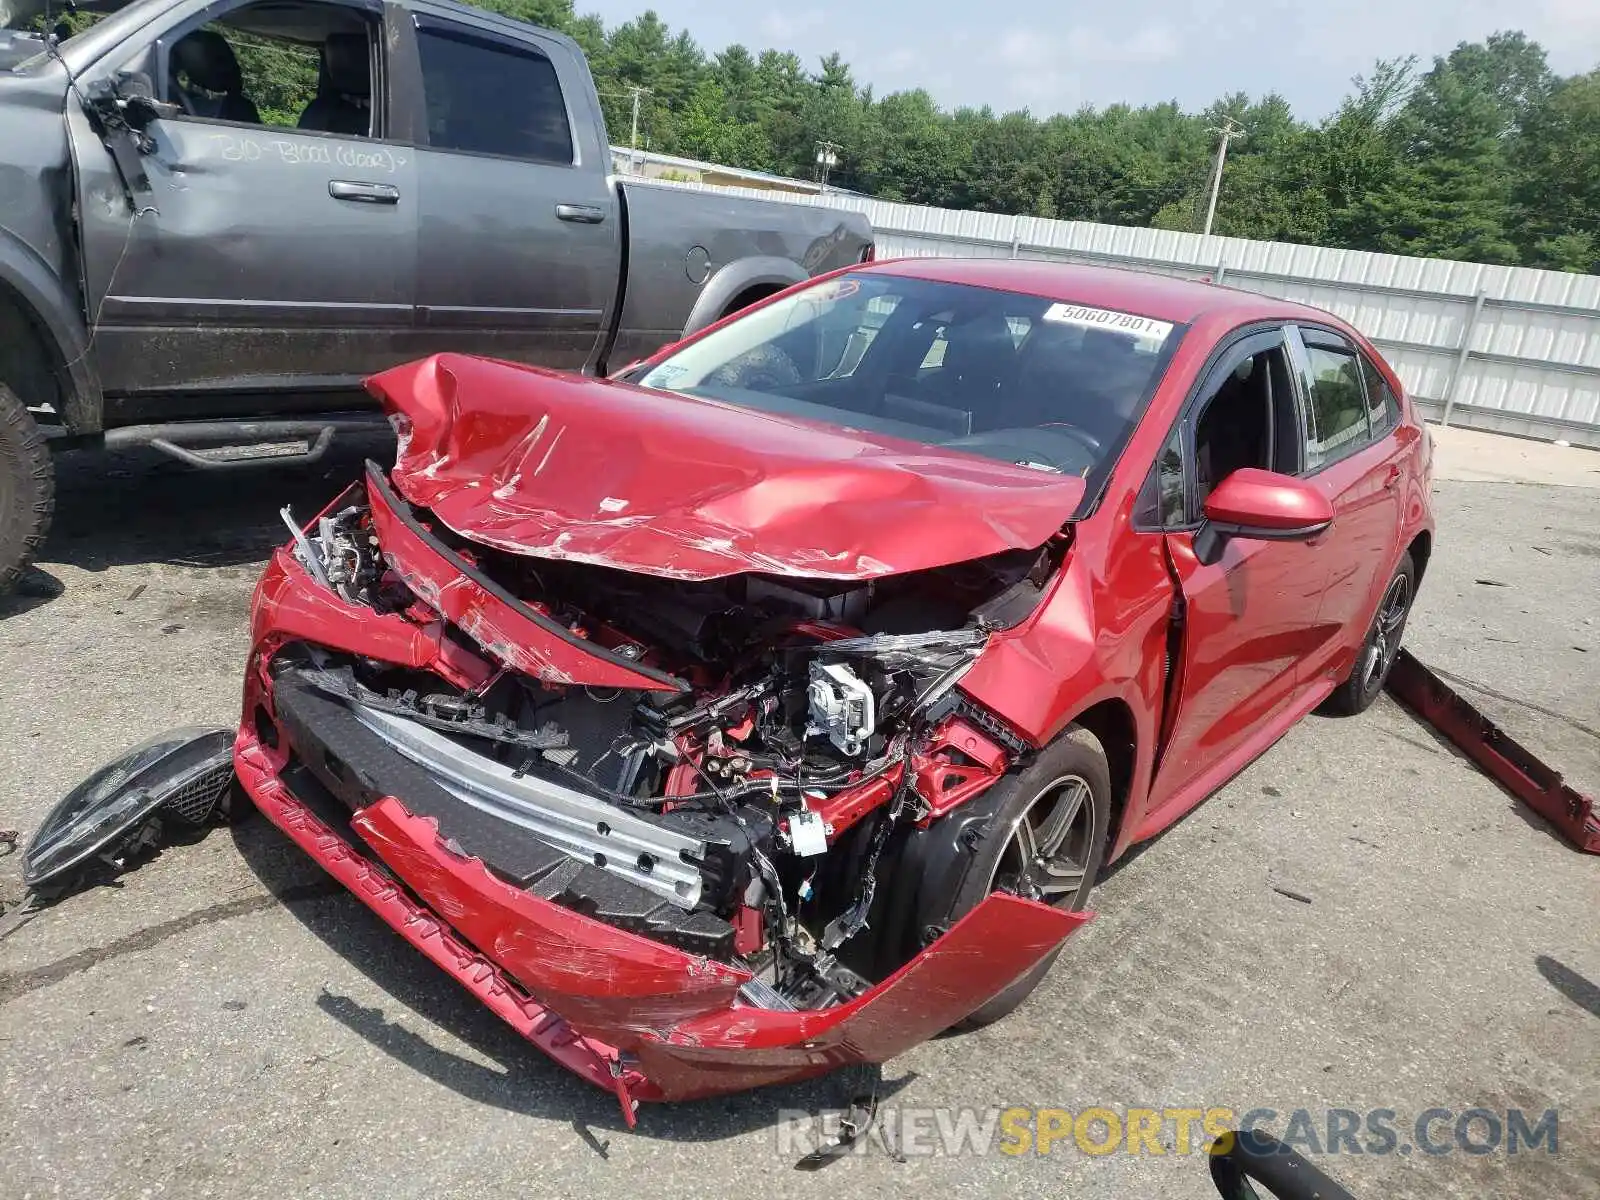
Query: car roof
[{"x": 1163, "y": 297}]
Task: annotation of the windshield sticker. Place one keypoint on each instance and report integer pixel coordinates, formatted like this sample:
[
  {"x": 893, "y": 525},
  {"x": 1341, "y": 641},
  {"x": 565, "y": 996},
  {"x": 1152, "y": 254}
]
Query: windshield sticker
[
  {"x": 838, "y": 289},
  {"x": 1142, "y": 328}
]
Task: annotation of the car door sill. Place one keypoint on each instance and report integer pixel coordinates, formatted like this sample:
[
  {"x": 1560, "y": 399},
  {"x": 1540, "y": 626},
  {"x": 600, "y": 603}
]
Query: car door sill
[{"x": 1306, "y": 698}]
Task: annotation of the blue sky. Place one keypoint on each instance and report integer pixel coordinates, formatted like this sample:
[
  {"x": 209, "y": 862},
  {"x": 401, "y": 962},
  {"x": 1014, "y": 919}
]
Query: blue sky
[{"x": 1049, "y": 57}]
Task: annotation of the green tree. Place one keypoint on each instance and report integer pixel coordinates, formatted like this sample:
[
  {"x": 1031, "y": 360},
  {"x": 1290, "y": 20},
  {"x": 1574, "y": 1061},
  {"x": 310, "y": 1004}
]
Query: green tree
[
  {"x": 1354, "y": 153},
  {"x": 1558, "y": 190},
  {"x": 1487, "y": 155},
  {"x": 1450, "y": 195}
]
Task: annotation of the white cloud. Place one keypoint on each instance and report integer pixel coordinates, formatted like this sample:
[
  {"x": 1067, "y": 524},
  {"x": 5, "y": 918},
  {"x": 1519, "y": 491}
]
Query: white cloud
[
  {"x": 1152, "y": 44},
  {"x": 1045, "y": 71},
  {"x": 901, "y": 60},
  {"x": 1574, "y": 25},
  {"x": 1029, "y": 49},
  {"x": 781, "y": 27}
]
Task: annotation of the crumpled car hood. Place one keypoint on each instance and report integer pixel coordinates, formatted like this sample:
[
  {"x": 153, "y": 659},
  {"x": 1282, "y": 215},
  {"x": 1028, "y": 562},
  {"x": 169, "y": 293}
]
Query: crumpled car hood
[{"x": 565, "y": 467}]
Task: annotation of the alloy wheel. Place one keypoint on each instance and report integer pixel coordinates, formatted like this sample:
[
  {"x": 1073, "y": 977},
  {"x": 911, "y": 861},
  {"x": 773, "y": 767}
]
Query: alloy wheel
[
  {"x": 1046, "y": 857},
  {"x": 1386, "y": 632}
]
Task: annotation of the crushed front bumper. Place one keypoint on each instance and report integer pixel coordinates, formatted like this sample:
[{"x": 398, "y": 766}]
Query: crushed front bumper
[{"x": 646, "y": 1020}]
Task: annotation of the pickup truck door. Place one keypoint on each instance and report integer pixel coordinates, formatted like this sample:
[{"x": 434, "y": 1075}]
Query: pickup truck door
[
  {"x": 258, "y": 258},
  {"x": 519, "y": 251}
]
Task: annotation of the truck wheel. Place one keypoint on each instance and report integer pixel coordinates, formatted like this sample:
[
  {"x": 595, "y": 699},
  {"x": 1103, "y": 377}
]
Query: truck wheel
[{"x": 27, "y": 488}]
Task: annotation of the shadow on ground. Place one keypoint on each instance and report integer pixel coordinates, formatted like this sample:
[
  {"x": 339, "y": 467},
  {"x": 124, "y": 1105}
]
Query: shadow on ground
[
  {"x": 518, "y": 1078},
  {"x": 1570, "y": 984},
  {"x": 138, "y": 506}
]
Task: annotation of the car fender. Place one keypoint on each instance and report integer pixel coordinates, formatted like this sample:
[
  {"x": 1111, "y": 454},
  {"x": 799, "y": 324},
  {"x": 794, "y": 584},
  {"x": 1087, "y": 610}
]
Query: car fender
[
  {"x": 1048, "y": 672},
  {"x": 735, "y": 278},
  {"x": 58, "y": 321}
]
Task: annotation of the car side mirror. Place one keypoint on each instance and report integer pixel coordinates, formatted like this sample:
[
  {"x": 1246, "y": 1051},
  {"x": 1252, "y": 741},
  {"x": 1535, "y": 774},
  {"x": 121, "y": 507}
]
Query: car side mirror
[{"x": 1262, "y": 505}]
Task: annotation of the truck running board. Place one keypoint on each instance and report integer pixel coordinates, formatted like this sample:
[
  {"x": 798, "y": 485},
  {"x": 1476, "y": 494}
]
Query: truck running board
[
  {"x": 245, "y": 443},
  {"x": 1528, "y": 778}
]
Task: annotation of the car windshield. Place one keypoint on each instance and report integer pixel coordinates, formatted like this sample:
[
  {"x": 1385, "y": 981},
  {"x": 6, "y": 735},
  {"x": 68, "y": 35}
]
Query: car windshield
[{"x": 1049, "y": 384}]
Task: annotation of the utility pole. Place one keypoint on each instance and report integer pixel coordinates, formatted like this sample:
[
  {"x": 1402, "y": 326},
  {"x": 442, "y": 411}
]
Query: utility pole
[
  {"x": 1230, "y": 130},
  {"x": 633, "y": 133},
  {"x": 827, "y": 159}
]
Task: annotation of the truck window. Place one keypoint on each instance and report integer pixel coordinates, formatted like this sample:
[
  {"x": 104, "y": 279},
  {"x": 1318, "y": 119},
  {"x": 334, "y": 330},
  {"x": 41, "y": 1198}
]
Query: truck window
[
  {"x": 291, "y": 66},
  {"x": 487, "y": 97}
]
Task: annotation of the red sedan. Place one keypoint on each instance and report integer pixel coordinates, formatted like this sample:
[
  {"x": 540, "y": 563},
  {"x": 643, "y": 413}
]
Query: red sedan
[{"x": 774, "y": 704}]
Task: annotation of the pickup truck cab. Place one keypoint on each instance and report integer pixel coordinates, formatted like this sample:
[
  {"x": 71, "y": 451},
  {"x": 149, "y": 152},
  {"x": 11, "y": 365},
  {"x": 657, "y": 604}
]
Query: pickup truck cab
[{"x": 222, "y": 215}]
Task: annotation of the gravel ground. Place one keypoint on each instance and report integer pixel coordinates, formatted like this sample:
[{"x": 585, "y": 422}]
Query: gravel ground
[{"x": 226, "y": 1022}]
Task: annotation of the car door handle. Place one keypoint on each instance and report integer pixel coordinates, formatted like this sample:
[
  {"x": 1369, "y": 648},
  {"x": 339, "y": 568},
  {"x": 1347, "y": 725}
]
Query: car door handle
[
  {"x": 1392, "y": 479},
  {"x": 364, "y": 193},
  {"x": 582, "y": 214}
]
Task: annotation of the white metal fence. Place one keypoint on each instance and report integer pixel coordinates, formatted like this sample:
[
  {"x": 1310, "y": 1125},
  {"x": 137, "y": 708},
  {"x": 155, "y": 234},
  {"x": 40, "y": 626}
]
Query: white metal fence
[{"x": 1503, "y": 348}]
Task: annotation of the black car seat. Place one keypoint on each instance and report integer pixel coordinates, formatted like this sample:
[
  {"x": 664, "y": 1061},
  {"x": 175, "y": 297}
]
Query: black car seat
[
  {"x": 1120, "y": 374},
  {"x": 1050, "y": 387},
  {"x": 343, "y": 103},
  {"x": 205, "y": 81},
  {"x": 980, "y": 356},
  {"x": 1232, "y": 430}
]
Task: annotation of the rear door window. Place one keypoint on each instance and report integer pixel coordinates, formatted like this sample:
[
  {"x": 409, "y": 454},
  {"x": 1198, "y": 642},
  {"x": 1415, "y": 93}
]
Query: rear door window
[
  {"x": 1336, "y": 400},
  {"x": 487, "y": 96}
]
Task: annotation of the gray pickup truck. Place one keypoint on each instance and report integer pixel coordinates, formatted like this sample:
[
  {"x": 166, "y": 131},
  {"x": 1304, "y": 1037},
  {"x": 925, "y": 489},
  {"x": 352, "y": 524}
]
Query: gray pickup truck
[{"x": 193, "y": 251}]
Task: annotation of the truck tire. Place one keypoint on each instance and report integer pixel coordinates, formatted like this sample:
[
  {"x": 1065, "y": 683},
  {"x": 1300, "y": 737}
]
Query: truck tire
[{"x": 27, "y": 489}]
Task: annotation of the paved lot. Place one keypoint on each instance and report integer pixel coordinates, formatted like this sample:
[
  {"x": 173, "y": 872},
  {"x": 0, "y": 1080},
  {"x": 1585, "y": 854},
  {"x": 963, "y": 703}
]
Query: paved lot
[{"x": 226, "y": 1023}]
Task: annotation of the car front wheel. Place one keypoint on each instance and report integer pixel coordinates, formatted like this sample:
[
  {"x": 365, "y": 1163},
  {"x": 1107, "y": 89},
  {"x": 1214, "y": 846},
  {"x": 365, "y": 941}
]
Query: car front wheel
[{"x": 1044, "y": 838}]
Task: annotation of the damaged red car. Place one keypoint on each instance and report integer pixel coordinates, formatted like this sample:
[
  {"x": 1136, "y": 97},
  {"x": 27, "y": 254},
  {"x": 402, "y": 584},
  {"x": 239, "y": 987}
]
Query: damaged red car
[{"x": 774, "y": 704}]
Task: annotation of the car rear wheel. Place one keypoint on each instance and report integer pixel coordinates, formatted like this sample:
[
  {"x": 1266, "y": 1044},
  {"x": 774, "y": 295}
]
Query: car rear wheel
[
  {"x": 1378, "y": 652},
  {"x": 27, "y": 489},
  {"x": 1044, "y": 838}
]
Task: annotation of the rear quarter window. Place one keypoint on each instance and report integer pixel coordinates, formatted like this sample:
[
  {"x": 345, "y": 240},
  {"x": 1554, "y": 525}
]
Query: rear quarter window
[{"x": 1383, "y": 406}]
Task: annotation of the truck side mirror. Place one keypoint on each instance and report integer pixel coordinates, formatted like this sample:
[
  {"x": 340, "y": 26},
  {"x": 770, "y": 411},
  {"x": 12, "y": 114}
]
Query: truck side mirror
[{"x": 136, "y": 98}]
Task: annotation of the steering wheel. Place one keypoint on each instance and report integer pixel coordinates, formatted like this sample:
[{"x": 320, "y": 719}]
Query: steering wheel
[
  {"x": 764, "y": 369},
  {"x": 1063, "y": 447},
  {"x": 1096, "y": 447}
]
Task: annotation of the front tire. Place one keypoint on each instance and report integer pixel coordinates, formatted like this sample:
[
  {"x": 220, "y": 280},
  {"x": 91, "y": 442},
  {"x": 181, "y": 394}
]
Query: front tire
[
  {"x": 1371, "y": 671},
  {"x": 1044, "y": 838},
  {"x": 27, "y": 489}
]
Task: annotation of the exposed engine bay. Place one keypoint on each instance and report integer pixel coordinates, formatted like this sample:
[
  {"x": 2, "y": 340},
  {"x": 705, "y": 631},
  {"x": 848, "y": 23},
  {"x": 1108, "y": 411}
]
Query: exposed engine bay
[{"x": 790, "y": 735}]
